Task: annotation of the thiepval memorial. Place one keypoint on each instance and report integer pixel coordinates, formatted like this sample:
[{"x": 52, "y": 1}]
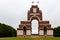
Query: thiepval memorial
[{"x": 44, "y": 27}]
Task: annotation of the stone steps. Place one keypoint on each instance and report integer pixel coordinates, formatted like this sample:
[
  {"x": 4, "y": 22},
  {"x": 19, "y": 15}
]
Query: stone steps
[{"x": 35, "y": 35}]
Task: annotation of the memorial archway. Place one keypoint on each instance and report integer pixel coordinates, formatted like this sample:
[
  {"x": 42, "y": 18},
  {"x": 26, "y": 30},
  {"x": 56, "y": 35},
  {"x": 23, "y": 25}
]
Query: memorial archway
[{"x": 35, "y": 14}]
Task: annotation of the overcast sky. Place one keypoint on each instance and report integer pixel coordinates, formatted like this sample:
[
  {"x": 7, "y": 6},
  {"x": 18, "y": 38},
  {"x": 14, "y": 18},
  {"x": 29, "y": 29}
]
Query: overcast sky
[{"x": 14, "y": 11}]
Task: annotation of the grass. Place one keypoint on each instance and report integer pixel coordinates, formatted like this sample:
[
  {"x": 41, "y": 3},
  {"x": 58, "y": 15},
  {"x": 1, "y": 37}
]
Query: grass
[{"x": 56, "y": 38}]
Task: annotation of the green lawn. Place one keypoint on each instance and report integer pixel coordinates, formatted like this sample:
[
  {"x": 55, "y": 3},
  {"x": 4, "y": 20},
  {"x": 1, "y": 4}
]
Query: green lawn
[{"x": 30, "y": 38}]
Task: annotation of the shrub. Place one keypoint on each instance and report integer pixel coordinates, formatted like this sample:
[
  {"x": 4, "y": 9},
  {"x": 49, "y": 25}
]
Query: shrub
[
  {"x": 57, "y": 31},
  {"x": 7, "y": 31}
]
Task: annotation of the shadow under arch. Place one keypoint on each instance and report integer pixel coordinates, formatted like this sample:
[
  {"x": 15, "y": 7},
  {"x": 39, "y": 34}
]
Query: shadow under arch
[
  {"x": 24, "y": 30},
  {"x": 45, "y": 30}
]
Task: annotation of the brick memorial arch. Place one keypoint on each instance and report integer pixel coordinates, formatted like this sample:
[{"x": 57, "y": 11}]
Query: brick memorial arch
[{"x": 44, "y": 27}]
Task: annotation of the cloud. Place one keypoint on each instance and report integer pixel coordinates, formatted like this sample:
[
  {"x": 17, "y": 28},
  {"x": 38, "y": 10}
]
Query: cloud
[{"x": 13, "y": 11}]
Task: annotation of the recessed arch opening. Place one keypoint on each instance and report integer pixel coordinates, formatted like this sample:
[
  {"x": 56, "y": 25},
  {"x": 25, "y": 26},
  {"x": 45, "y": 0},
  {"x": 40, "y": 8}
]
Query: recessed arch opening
[
  {"x": 45, "y": 30},
  {"x": 24, "y": 30}
]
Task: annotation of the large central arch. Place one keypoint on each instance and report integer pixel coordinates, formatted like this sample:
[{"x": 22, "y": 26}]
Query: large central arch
[
  {"x": 34, "y": 25},
  {"x": 35, "y": 22}
]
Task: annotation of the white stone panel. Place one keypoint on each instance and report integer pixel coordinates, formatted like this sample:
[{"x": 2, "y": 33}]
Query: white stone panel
[
  {"x": 19, "y": 32},
  {"x": 28, "y": 32},
  {"x": 49, "y": 32},
  {"x": 41, "y": 32},
  {"x": 34, "y": 10}
]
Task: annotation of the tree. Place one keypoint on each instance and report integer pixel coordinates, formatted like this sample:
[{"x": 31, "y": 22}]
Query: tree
[
  {"x": 57, "y": 31},
  {"x": 7, "y": 31}
]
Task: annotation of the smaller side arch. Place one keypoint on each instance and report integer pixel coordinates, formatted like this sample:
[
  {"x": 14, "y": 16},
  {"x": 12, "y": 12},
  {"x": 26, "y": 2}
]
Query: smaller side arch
[
  {"x": 24, "y": 30},
  {"x": 45, "y": 30}
]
